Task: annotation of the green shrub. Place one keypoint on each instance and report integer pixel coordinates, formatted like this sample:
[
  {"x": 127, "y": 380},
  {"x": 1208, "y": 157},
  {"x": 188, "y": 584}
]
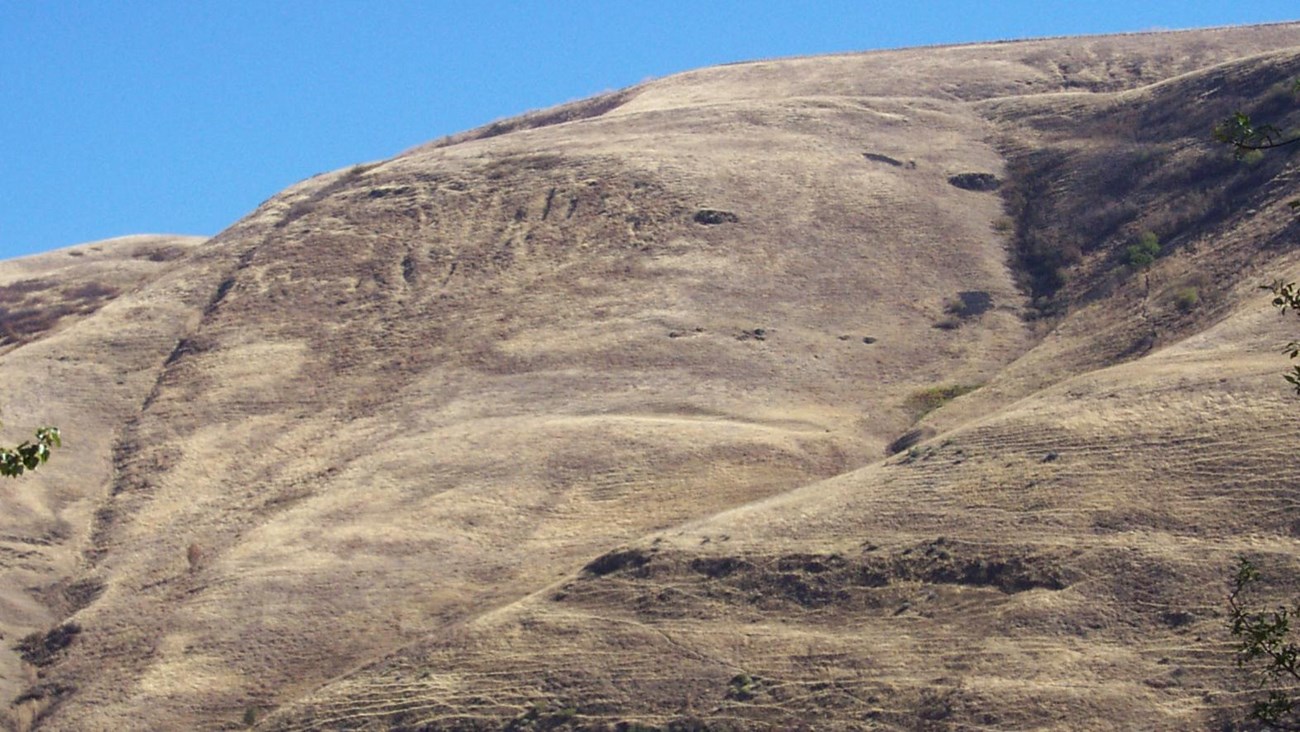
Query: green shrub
[
  {"x": 1187, "y": 298},
  {"x": 743, "y": 687},
  {"x": 1144, "y": 252}
]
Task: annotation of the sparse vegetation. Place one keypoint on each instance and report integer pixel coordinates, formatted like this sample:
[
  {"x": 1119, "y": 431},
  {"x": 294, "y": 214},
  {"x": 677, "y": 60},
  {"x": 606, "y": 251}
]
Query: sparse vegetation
[
  {"x": 927, "y": 400},
  {"x": 1164, "y": 176}
]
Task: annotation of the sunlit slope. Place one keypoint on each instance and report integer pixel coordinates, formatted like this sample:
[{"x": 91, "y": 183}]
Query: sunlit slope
[
  {"x": 431, "y": 386},
  {"x": 1060, "y": 564},
  {"x": 1057, "y": 562},
  {"x": 384, "y": 421}
]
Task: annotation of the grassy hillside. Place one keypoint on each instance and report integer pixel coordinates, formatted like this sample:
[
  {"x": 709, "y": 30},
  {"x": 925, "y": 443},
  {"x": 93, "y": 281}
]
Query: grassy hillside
[{"x": 803, "y": 393}]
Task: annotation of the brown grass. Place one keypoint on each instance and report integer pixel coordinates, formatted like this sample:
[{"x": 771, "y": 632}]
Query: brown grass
[{"x": 401, "y": 408}]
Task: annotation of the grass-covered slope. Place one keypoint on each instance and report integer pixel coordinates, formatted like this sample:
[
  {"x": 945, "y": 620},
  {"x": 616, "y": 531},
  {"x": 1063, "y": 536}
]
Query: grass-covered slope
[{"x": 584, "y": 418}]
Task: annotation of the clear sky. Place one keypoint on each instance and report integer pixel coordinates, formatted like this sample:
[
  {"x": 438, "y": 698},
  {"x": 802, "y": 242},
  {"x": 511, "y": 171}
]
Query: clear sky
[{"x": 179, "y": 116}]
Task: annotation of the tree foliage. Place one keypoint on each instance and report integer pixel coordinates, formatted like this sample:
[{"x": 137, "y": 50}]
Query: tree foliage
[
  {"x": 31, "y": 454},
  {"x": 1264, "y": 641},
  {"x": 1143, "y": 253},
  {"x": 1245, "y": 135},
  {"x": 1265, "y": 646},
  {"x": 1287, "y": 297}
]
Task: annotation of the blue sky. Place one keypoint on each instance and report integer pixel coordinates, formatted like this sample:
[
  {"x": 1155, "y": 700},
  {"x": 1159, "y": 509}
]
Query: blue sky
[{"x": 179, "y": 116}]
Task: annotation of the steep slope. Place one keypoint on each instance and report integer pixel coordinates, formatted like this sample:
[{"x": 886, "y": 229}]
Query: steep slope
[
  {"x": 378, "y": 427},
  {"x": 440, "y": 390},
  {"x": 1028, "y": 586}
]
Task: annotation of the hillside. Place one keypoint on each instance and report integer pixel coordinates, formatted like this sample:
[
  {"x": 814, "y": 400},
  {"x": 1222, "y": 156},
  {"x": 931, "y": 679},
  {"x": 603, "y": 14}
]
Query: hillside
[{"x": 640, "y": 411}]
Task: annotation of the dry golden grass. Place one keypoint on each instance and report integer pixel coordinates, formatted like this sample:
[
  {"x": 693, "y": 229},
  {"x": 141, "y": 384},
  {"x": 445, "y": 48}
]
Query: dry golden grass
[{"x": 343, "y": 465}]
